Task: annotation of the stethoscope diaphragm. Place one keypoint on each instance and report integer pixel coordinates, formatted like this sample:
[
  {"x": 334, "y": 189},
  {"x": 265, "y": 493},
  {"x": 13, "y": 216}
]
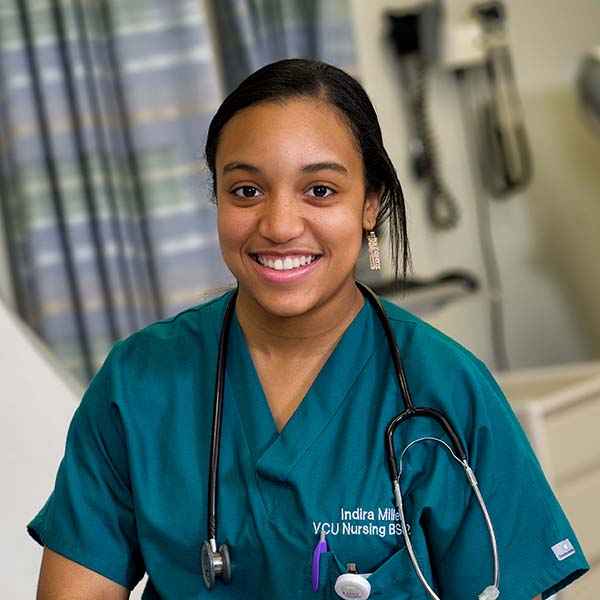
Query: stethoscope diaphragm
[{"x": 215, "y": 563}]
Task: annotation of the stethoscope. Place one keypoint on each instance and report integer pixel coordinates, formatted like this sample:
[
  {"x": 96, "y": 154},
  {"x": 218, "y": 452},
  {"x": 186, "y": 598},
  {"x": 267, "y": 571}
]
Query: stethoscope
[{"x": 216, "y": 561}]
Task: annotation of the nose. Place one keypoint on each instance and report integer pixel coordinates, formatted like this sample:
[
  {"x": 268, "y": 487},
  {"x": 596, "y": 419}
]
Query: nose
[{"x": 282, "y": 219}]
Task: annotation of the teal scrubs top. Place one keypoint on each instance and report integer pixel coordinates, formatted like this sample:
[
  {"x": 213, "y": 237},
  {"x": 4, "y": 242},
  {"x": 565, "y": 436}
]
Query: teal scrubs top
[{"x": 131, "y": 491}]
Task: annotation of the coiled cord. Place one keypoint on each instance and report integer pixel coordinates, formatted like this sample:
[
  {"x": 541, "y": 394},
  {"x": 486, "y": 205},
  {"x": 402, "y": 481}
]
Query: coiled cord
[{"x": 441, "y": 206}]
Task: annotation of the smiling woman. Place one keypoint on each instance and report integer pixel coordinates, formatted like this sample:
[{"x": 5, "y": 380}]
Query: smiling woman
[
  {"x": 290, "y": 188},
  {"x": 308, "y": 377}
]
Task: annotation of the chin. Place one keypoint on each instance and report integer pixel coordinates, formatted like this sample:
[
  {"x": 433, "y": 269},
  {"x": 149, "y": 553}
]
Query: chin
[
  {"x": 295, "y": 301},
  {"x": 288, "y": 308}
]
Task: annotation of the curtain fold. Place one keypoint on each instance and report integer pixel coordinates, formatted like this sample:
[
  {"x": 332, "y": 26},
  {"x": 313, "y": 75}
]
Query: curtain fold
[
  {"x": 104, "y": 107},
  {"x": 103, "y": 110},
  {"x": 252, "y": 33}
]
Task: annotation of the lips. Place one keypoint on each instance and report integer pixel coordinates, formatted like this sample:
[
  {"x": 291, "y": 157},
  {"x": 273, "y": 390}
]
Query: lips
[{"x": 284, "y": 263}]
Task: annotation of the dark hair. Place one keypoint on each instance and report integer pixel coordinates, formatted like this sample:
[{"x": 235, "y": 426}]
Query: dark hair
[{"x": 301, "y": 78}]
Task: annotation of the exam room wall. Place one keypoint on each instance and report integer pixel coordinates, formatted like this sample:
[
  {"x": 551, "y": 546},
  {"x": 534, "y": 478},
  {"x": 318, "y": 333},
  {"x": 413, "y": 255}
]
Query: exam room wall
[{"x": 547, "y": 237}]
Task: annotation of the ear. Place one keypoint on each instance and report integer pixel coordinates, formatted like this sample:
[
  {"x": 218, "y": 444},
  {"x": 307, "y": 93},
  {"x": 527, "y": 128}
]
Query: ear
[{"x": 371, "y": 209}]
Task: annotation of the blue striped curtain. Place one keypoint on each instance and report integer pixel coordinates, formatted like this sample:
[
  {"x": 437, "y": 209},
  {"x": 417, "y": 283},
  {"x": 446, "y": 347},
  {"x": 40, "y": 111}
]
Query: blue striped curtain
[
  {"x": 252, "y": 33},
  {"x": 104, "y": 107}
]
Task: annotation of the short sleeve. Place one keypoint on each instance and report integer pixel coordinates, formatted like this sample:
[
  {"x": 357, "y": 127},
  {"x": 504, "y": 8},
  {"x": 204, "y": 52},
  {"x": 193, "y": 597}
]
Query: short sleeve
[
  {"x": 537, "y": 548},
  {"x": 89, "y": 518}
]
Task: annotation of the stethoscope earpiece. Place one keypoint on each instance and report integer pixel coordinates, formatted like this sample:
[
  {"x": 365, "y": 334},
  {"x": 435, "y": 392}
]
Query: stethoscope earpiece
[{"x": 215, "y": 563}]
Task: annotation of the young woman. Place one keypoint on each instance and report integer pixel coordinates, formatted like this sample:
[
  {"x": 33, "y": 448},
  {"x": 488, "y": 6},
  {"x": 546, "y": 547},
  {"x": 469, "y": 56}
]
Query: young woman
[{"x": 309, "y": 386}]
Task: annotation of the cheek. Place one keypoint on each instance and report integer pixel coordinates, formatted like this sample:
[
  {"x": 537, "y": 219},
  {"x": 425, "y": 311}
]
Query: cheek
[
  {"x": 344, "y": 226},
  {"x": 231, "y": 227}
]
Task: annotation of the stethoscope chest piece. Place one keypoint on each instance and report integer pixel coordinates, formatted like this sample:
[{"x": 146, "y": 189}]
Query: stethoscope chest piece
[{"x": 215, "y": 563}]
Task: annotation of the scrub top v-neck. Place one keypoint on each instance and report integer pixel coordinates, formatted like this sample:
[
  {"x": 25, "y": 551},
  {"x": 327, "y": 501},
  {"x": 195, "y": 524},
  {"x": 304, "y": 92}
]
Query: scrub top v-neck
[
  {"x": 130, "y": 494},
  {"x": 292, "y": 468},
  {"x": 275, "y": 454}
]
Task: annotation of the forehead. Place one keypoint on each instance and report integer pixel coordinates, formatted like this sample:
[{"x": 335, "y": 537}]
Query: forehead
[{"x": 300, "y": 128}]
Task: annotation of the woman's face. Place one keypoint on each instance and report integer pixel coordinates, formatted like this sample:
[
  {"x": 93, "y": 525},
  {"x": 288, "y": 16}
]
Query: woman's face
[{"x": 291, "y": 205}]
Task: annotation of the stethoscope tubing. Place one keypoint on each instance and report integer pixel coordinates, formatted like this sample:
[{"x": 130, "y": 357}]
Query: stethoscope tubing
[
  {"x": 410, "y": 411},
  {"x": 215, "y": 444}
]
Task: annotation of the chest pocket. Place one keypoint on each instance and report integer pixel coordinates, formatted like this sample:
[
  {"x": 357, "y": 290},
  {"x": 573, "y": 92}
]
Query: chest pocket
[{"x": 395, "y": 579}]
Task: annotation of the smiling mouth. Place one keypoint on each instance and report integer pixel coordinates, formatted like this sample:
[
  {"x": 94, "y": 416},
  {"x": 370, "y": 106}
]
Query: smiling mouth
[{"x": 285, "y": 263}]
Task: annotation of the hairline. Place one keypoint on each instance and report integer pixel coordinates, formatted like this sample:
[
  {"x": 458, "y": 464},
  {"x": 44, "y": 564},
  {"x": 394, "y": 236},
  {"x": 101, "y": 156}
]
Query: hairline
[{"x": 320, "y": 95}]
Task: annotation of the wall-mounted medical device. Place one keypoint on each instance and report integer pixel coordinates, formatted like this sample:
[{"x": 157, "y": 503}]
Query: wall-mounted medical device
[
  {"x": 426, "y": 42},
  {"x": 415, "y": 35},
  {"x": 431, "y": 39},
  {"x": 588, "y": 86},
  {"x": 506, "y": 158}
]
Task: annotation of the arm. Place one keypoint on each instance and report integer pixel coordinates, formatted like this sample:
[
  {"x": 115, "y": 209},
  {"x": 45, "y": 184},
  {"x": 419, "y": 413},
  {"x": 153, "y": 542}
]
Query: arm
[
  {"x": 92, "y": 493},
  {"x": 63, "y": 579}
]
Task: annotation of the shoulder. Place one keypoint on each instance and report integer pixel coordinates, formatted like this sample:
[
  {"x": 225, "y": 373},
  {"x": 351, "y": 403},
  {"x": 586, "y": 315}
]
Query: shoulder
[
  {"x": 162, "y": 357},
  {"x": 421, "y": 340},
  {"x": 197, "y": 321},
  {"x": 445, "y": 374},
  {"x": 195, "y": 329}
]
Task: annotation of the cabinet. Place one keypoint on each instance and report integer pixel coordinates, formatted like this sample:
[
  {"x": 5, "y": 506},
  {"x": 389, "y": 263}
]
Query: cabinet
[{"x": 559, "y": 408}]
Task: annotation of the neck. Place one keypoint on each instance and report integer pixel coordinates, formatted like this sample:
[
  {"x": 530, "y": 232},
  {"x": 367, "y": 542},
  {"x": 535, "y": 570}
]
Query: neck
[{"x": 309, "y": 332}]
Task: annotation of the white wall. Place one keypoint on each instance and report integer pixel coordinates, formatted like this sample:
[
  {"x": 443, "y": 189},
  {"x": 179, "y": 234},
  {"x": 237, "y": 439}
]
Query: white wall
[
  {"x": 38, "y": 400},
  {"x": 548, "y": 236}
]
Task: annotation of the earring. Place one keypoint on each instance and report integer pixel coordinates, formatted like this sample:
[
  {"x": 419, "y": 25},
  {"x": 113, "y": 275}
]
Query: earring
[{"x": 373, "y": 247}]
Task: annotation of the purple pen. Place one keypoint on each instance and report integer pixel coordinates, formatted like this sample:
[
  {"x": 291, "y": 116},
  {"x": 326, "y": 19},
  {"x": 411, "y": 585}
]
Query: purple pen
[{"x": 319, "y": 549}]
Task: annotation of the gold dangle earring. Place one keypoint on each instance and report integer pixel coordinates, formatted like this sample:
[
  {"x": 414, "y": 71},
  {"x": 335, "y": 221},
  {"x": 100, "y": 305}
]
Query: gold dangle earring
[{"x": 373, "y": 247}]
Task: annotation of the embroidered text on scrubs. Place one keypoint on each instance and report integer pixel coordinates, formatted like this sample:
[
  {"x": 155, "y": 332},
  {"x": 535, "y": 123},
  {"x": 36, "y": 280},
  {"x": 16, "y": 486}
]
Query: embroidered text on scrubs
[
  {"x": 361, "y": 521},
  {"x": 370, "y": 529},
  {"x": 360, "y": 514}
]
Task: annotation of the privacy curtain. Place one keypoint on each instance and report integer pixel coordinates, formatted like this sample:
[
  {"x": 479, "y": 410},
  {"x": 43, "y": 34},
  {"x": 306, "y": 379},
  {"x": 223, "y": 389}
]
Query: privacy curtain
[
  {"x": 104, "y": 106},
  {"x": 252, "y": 33}
]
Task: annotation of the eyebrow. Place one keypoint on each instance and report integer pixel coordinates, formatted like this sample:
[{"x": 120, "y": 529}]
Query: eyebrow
[
  {"x": 325, "y": 166},
  {"x": 240, "y": 166},
  {"x": 310, "y": 168}
]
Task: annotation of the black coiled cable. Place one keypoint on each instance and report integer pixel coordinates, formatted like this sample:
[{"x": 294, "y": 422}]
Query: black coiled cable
[{"x": 441, "y": 206}]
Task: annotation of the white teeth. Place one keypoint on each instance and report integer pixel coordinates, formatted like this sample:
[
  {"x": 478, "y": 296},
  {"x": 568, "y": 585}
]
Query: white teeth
[{"x": 285, "y": 264}]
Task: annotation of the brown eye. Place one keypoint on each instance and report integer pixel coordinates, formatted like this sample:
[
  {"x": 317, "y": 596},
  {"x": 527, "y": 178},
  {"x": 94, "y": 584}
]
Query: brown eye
[
  {"x": 320, "y": 191},
  {"x": 247, "y": 191}
]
